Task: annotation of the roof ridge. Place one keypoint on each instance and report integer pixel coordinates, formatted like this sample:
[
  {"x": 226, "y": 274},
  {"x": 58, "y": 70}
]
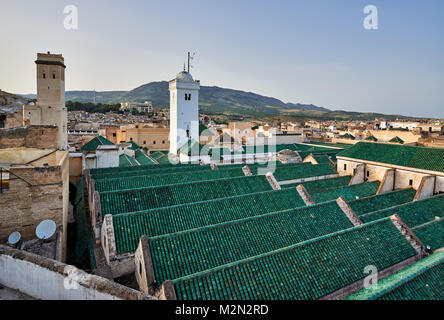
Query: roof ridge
[
  {"x": 182, "y": 183},
  {"x": 402, "y": 205},
  {"x": 204, "y": 201},
  {"x": 428, "y": 223}
]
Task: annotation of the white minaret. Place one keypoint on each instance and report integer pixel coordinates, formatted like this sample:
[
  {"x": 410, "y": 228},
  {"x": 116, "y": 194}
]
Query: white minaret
[{"x": 184, "y": 110}]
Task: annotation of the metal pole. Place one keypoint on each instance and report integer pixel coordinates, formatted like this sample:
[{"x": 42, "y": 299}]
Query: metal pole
[{"x": 1, "y": 180}]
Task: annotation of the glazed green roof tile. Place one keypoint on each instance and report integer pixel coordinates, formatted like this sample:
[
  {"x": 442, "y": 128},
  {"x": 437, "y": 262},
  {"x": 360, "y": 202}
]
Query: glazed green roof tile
[
  {"x": 396, "y": 140},
  {"x": 322, "y": 185},
  {"x": 92, "y": 144},
  {"x": 308, "y": 270},
  {"x": 422, "y": 280},
  {"x": 331, "y": 153},
  {"x": 323, "y": 159},
  {"x": 134, "y": 146},
  {"x": 144, "y": 169},
  {"x": 151, "y": 180},
  {"x": 348, "y": 193},
  {"x": 431, "y": 233},
  {"x": 407, "y": 156},
  {"x": 411, "y": 213},
  {"x": 348, "y": 136},
  {"x": 203, "y": 130},
  {"x": 371, "y": 138},
  {"x": 382, "y": 201},
  {"x": 126, "y": 161},
  {"x": 143, "y": 159},
  {"x": 301, "y": 172},
  {"x": 158, "y": 197},
  {"x": 130, "y": 227},
  {"x": 185, "y": 253}
]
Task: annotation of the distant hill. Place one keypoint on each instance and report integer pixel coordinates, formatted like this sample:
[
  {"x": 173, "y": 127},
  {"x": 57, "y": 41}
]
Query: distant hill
[
  {"x": 221, "y": 101},
  {"x": 211, "y": 99}
]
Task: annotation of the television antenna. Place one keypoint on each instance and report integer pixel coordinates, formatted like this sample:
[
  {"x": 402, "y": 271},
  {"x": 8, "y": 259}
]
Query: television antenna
[
  {"x": 45, "y": 229},
  {"x": 14, "y": 238},
  {"x": 190, "y": 60}
]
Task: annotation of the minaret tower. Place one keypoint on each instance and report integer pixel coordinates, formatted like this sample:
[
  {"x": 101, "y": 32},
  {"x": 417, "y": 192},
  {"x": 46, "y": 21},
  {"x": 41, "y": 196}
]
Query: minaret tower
[
  {"x": 184, "y": 109},
  {"x": 50, "y": 108}
]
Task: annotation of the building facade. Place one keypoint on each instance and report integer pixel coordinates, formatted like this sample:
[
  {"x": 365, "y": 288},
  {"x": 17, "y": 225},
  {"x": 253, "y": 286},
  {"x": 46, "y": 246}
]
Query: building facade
[
  {"x": 184, "y": 110},
  {"x": 50, "y": 108}
]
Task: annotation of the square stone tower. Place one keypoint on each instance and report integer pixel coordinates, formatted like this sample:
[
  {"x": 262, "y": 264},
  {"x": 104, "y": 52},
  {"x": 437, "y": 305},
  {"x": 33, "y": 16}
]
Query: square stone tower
[
  {"x": 50, "y": 108},
  {"x": 184, "y": 110}
]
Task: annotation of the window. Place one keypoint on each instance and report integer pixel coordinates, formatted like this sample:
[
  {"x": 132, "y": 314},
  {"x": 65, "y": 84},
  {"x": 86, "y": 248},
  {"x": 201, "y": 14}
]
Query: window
[
  {"x": 163, "y": 141},
  {"x": 188, "y": 133},
  {"x": 411, "y": 182},
  {"x": 131, "y": 139},
  {"x": 368, "y": 173},
  {"x": 44, "y": 75},
  {"x": 144, "y": 142},
  {"x": 114, "y": 134},
  {"x": 4, "y": 180},
  {"x": 188, "y": 96},
  {"x": 154, "y": 142},
  {"x": 2, "y": 120},
  {"x": 345, "y": 166},
  {"x": 354, "y": 171},
  {"x": 53, "y": 76}
]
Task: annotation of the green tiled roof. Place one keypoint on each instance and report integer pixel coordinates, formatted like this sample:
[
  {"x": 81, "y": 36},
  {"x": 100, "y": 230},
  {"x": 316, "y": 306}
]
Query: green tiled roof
[
  {"x": 348, "y": 136},
  {"x": 431, "y": 234},
  {"x": 192, "y": 147},
  {"x": 311, "y": 148},
  {"x": 151, "y": 180},
  {"x": 92, "y": 144},
  {"x": 203, "y": 130},
  {"x": 396, "y": 140},
  {"x": 401, "y": 155},
  {"x": 300, "y": 172},
  {"x": 130, "y": 227},
  {"x": 182, "y": 254},
  {"x": 323, "y": 159},
  {"x": 158, "y": 197},
  {"x": 161, "y": 157},
  {"x": 348, "y": 193},
  {"x": 143, "y": 159},
  {"x": 330, "y": 152},
  {"x": 134, "y": 146},
  {"x": 412, "y": 213},
  {"x": 371, "y": 138},
  {"x": 308, "y": 270},
  {"x": 382, "y": 201},
  {"x": 423, "y": 280},
  {"x": 126, "y": 161},
  {"x": 322, "y": 185},
  {"x": 143, "y": 170}
]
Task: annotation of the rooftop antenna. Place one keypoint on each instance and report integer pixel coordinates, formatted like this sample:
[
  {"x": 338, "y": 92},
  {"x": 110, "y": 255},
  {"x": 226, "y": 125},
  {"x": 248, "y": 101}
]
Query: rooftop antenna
[
  {"x": 45, "y": 229},
  {"x": 190, "y": 59}
]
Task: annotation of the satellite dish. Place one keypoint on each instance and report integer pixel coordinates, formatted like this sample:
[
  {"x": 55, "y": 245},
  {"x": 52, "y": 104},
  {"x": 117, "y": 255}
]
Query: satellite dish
[
  {"x": 45, "y": 229},
  {"x": 14, "y": 238}
]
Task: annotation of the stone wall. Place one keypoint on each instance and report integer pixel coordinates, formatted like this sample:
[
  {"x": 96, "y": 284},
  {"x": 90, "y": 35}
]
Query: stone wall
[
  {"x": 44, "y": 137},
  {"x": 48, "y": 279},
  {"x": 35, "y": 194}
]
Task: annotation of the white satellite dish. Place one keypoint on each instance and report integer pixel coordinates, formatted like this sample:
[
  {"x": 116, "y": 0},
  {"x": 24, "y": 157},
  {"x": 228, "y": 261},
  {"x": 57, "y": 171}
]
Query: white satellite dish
[
  {"x": 14, "y": 238},
  {"x": 45, "y": 229}
]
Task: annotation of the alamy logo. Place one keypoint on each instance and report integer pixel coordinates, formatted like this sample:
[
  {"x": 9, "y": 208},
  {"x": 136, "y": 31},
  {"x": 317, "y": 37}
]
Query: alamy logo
[
  {"x": 71, "y": 282},
  {"x": 71, "y": 21},
  {"x": 371, "y": 20},
  {"x": 371, "y": 281}
]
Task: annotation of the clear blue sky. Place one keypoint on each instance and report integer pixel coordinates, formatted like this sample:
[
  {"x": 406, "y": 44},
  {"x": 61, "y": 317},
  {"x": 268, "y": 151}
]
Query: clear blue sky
[{"x": 309, "y": 51}]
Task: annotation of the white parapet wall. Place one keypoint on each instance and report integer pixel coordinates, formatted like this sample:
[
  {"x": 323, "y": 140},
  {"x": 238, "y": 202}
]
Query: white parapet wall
[{"x": 47, "y": 279}]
